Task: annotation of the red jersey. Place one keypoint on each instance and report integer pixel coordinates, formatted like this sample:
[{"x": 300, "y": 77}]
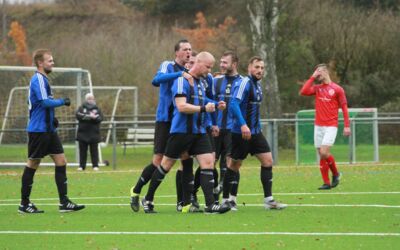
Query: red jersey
[{"x": 328, "y": 99}]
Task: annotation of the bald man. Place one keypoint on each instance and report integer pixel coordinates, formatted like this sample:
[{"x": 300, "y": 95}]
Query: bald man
[{"x": 188, "y": 134}]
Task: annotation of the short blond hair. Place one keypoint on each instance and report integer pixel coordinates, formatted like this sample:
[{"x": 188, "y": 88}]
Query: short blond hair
[{"x": 38, "y": 55}]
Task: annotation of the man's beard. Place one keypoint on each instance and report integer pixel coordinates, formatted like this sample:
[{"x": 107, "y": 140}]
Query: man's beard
[
  {"x": 47, "y": 71},
  {"x": 228, "y": 72},
  {"x": 257, "y": 77}
]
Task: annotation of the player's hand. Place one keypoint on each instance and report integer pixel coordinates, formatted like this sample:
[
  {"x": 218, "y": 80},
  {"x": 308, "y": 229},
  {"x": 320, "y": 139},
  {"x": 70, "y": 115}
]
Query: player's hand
[
  {"x": 221, "y": 105},
  {"x": 215, "y": 131},
  {"x": 246, "y": 133},
  {"x": 188, "y": 77},
  {"x": 210, "y": 107},
  {"x": 316, "y": 73},
  {"x": 346, "y": 131},
  {"x": 67, "y": 101}
]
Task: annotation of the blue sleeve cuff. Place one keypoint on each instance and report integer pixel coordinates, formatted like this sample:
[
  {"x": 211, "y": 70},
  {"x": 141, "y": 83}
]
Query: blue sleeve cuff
[{"x": 52, "y": 103}]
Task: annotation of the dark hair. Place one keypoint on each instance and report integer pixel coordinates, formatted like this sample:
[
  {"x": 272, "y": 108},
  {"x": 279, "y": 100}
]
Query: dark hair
[
  {"x": 178, "y": 44},
  {"x": 255, "y": 59},
  {"x": 38, "y": 55},
  {"x": 233, "y": 55}
]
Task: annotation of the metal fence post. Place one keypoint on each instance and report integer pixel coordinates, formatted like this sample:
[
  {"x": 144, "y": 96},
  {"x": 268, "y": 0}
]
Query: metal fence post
[
  {"x": 275, "y": 141},
  {"x": 114, "y": 138}
]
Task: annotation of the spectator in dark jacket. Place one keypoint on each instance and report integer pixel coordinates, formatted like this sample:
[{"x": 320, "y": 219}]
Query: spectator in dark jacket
[{"x": 88, "y": 135}]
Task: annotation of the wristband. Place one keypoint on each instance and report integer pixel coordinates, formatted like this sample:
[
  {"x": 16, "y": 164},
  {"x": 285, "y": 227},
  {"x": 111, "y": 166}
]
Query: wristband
[{"x": 202, "y": 109}]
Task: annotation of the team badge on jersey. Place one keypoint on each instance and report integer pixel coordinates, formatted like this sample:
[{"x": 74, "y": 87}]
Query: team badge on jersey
[
  {"x": 228, "y": 89},
  {"x": 331, "y": 92}
]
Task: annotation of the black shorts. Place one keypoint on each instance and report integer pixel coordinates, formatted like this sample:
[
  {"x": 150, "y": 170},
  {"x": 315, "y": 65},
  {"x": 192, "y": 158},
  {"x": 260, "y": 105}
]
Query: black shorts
[
  {"x": 161, "y": 135},
  {"x": 42, "y": 144},
  {"x": 223, "y": 143},
  {"x": 211, "y": 138},
  {"x": 195, "y": 144},
  {"x": 241, "y": 148}
]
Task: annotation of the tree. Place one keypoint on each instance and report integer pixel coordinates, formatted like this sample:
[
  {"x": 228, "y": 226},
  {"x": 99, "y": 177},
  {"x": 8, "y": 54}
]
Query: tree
[
  {"x": 17, "y": 33},
  {"x": 206, "y": 37},
  {"x": 264, "y": 16}
]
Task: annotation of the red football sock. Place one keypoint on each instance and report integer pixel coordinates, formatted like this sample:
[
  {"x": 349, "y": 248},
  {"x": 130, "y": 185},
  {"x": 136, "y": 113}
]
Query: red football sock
[
  {"x": 324, "y": 168},
  {"x": 332, "y": 165}
]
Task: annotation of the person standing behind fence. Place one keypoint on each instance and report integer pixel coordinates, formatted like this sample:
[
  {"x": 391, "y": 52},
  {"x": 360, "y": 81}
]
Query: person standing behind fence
[
  {"x": 329, "y": 97},
  {"x": 88, "y": 135},
  {"x": 42, "y": 136}
]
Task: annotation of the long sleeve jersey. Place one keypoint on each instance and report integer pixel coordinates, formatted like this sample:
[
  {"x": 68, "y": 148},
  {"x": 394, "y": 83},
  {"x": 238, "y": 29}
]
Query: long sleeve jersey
[{"x": 329, "y": 97}]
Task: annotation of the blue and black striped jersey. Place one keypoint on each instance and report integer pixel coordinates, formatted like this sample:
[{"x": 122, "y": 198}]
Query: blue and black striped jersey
[
  {"x": 189, "y": 123},
  {"x": 223, "y": 92},
  {"x": 166, "y": 74},
  {"x": 208, "y": 83},
  {"x": 248, "y": 94},
  {"x": 41, "y": 104}
]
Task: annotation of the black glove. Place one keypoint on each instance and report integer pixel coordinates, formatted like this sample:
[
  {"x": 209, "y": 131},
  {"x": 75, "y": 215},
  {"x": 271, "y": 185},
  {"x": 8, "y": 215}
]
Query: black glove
[
  {"x": 55, "y": 122},
  {"x": 67, "y": 101}
]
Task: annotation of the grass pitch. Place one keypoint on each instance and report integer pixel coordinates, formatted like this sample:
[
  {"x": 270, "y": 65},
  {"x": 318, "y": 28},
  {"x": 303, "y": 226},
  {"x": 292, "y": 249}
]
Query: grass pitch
[{"x": 363, "y": 212}]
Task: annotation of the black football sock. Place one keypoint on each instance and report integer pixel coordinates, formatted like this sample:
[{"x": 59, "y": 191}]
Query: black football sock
[
  {"x": 207, "y": 184},
  {"x": 187, "y": 181},
  {"x": 216, "y": 194},
  {"x": 61, "y": 181},
  {"x": 222, "y": 168},
  {"x": 156, "y": 179},
  {"x": 235, "y": 184},
  {"x": 266, "y": 180},
  {"x": 196, "y": 181},
  {"x": 230, "y": 176},
  {"x": 26, "y": 187},
  {"x": 144, "y": 178},
  {"x": 178, "y": 184}
]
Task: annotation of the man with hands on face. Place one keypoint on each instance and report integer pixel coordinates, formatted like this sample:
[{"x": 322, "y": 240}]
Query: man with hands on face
[{"x": 329, "y": 97}]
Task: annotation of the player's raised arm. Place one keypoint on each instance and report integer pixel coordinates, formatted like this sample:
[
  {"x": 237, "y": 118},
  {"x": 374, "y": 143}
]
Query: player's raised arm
[{"x": 308, "y": 87}]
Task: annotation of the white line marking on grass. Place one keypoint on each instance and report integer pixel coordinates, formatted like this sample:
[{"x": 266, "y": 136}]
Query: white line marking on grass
[
  {"x": 71, "y": 170},
  {"x": 204, "y": 233},
  {"x": 240, "y": 205},
  {"x": 200, "y": 195}
]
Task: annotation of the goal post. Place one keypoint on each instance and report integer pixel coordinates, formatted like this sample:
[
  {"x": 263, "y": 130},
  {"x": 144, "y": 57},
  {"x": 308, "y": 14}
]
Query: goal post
[
  {"x": 116, "y": 102},
  {"x": 361, "y": 146}
]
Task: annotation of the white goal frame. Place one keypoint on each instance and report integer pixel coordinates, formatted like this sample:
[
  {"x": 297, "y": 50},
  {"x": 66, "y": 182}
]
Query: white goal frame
[{"x": 79, "y": 88}]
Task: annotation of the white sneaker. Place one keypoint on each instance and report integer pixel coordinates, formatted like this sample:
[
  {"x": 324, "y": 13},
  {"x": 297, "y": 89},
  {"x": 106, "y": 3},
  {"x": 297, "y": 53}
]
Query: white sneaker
[
  {"x": 96, "y": 169},
  {"x": 274, "y": 205},
  {"x": 79, "y": 169}
]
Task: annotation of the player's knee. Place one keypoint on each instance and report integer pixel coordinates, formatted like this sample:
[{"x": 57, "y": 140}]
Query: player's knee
[
  {"x": 324, "y": 154},
  {"x": 269, "y": 162},
  {"x": 235, "y": 165},
  {"x": 157, "y": 159},
  {"x": 34, "y": 164}
]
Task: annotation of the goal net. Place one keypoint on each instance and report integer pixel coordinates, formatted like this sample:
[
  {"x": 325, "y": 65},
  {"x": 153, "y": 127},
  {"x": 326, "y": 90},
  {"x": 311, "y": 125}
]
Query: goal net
[
  {"x": 361, "y": 146},
  {"x": 117, "y": 103}
]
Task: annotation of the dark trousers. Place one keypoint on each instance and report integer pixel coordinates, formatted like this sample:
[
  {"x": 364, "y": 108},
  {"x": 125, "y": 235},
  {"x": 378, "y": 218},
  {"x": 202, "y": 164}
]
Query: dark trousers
[{"x": 94, "y": 154}]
